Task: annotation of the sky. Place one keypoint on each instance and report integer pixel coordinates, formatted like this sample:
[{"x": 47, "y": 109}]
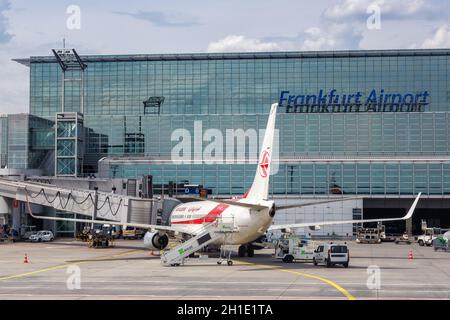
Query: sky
[{"x": 33, "y": 28}]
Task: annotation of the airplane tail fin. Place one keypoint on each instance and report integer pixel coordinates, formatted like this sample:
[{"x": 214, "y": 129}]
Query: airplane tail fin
[{"x": 260, "y": 187}]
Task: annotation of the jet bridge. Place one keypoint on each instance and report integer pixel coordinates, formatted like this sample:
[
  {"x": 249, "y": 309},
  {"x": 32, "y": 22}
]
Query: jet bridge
[{"x": 91, "y": 203}]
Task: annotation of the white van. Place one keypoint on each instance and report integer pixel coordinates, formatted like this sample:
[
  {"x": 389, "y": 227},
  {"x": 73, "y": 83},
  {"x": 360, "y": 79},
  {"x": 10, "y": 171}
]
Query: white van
[{"x": 331, "y": 254}]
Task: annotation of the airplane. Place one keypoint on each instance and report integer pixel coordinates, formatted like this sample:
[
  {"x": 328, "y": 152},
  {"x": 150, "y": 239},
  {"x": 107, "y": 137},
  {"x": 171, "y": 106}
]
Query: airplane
[{"x": 253, "y": 213}]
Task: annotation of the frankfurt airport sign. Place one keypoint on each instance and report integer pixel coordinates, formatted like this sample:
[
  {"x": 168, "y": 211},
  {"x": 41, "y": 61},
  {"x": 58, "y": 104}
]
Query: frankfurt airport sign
[{"x": 335, "y": 102}]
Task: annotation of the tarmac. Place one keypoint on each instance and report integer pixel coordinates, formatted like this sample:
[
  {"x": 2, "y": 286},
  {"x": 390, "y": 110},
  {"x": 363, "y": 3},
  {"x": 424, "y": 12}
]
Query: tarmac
[{"x": 68, "y": 269}]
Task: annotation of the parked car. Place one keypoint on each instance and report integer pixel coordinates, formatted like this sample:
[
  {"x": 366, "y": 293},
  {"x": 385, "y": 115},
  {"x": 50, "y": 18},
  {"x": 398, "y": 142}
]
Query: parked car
[
  {"x": 42, "y": 236},
  {"x": 332, "y": 254}
]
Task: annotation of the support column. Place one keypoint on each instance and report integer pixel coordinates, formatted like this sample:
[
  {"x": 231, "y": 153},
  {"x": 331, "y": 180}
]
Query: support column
[
  {"x": 50, "y": 224},
  {"x": 408, "y": 227},
  {"x": 5, "y": 210},
  {"x": 16, "y": 217}
]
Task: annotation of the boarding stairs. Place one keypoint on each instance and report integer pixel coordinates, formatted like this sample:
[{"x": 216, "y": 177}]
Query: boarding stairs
[{"x": 219, "y": 230}]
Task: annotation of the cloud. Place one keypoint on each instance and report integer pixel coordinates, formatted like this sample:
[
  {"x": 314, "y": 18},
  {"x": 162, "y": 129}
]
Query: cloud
[
  {"x": 440, "y": 38},
  {"x": 390, "y": 10},
  {"x": 348, "y": 9},
  {"x": 4, "y": 35},
  {"x": 161, "y": 19},
  {"x": 343, "y": 26},
  {"x": 332, "y": 36},
  {"x": 239, "y": 43},
  {"x": 329, "y": 36}
]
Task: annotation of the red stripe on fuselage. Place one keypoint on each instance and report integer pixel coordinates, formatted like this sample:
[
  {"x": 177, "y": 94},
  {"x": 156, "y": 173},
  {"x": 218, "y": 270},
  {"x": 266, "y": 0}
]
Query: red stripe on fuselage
[{"x": 210, "y": 217}]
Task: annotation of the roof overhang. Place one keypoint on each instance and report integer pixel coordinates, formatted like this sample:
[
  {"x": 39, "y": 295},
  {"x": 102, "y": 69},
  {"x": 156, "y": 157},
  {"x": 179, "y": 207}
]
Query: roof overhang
[{"x": 244, "y": 55}]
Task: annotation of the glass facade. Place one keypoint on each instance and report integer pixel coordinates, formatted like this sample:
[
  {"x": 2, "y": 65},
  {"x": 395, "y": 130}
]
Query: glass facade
[
  {"x": 26, "y": 142},
  {"x": 69, "y": 144},
  {"x": 308, "y": 177},
  {"x": 400, "y": 152},
  {"x": 3, "y": 141},
  {"x": 236, "y": 83},
  {"x": 18, "y": 141}
]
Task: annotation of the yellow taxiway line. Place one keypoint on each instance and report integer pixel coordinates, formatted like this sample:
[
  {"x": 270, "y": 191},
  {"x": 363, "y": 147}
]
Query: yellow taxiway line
[{"x": 329, "y": 282}]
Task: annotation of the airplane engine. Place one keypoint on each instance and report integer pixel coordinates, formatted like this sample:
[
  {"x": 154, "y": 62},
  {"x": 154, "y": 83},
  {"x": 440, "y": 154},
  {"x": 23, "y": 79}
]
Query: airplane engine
[
  {"x": 156, "y": 240},
  {"x": 314, "y": 228},
  {"x": 273, "y": 211}
]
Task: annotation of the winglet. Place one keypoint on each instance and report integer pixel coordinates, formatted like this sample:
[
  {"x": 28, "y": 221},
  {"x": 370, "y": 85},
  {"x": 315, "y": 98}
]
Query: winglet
[{"x": 413, "y": 207}]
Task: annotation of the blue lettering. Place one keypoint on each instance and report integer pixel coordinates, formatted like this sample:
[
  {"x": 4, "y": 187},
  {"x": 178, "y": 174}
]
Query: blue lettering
[
  {"x": 371, "y": 101},
  {"x": 282, "y": 98},
  {"x": 376, "y": 101},
  {"x": 332, "y": 92}
]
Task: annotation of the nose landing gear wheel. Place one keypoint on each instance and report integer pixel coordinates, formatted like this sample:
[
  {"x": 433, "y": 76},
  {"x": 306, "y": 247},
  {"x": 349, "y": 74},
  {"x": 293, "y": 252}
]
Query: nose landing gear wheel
[{"x": 230, "y": 263}]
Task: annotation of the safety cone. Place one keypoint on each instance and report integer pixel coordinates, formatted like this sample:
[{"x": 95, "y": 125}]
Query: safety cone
[
  {"x": 25, "y": 259},
  {"x": 410, "y": 255}
]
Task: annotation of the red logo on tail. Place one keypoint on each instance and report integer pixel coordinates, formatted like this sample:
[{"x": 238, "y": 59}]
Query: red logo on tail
[{"x": 264, "y": 164}]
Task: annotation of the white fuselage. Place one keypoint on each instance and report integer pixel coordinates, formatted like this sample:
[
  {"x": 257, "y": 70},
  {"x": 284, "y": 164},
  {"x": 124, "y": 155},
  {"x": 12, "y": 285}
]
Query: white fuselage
[{"x": 251, "y": 224}]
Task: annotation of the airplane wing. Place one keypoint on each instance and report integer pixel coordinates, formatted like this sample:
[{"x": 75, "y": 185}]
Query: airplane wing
[
  {"x": 240, "y": 204},
  {"x": 305, "y": 204},
  {"x": 230, "y": 202},
  {"x": 324, "y": 223},
  {"x": 257, "y": 207},
  {"x": 115, "y": 223}
]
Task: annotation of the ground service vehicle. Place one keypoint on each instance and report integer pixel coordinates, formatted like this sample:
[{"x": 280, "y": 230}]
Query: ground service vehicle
[
  {"x": 403, "y": 239},
  {"x": 368, "y": 235},
  {"x": 100, "y": 238},
  {"x": 291, "y": 249},
  {"x": 441, "y": 243},
  {"x": 132, "y": 233}
]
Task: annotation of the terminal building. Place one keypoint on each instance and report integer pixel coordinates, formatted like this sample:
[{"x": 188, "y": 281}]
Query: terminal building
[{"x": 374, "y": 124}]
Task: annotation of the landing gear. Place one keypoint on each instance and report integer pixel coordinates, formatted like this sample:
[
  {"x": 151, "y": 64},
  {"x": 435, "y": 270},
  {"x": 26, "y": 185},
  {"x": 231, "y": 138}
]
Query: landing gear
[
  {"x": 246, "y": 249},
  {"x": 241, "y": 251},
  {"x": 250, "y": 251}
]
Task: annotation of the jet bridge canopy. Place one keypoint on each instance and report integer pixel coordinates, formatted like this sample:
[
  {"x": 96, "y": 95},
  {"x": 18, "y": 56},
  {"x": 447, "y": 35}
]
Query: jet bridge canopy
[{"x": 91, "y": 203}]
